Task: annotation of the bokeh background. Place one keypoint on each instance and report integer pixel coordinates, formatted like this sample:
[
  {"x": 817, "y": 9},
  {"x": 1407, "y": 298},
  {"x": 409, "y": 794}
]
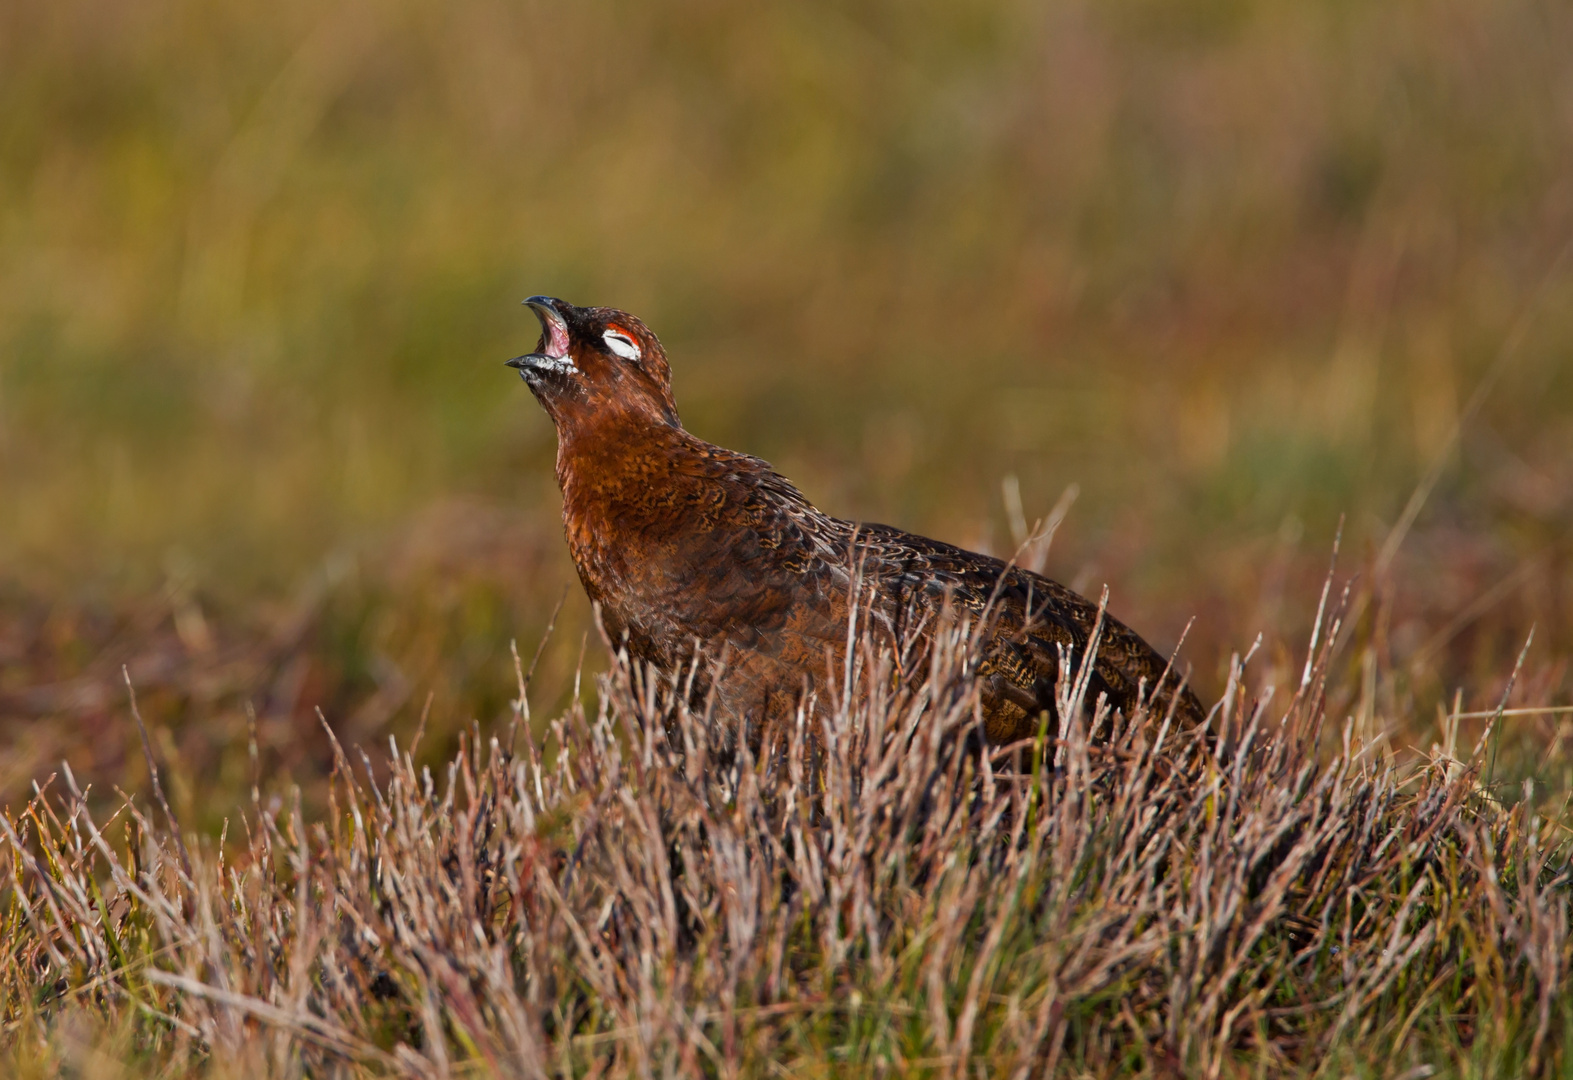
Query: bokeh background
[{"x": 1234, "y": 269}]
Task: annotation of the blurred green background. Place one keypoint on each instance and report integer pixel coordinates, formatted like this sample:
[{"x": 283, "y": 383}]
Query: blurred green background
[{"x": 1232, "y": 267}]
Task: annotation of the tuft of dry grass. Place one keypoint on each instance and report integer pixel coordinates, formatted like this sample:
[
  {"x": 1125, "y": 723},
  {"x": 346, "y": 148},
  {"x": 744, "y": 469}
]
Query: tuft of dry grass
[{"x": 643, "y": 893}]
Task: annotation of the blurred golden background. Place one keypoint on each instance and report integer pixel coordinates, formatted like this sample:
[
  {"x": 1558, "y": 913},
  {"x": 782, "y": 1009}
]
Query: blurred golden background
[{"x": 1232, "y": 268}]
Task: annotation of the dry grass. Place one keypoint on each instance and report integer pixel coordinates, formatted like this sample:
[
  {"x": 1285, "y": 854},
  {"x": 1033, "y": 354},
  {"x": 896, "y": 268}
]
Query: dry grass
[{"x": 641, "y": 895}]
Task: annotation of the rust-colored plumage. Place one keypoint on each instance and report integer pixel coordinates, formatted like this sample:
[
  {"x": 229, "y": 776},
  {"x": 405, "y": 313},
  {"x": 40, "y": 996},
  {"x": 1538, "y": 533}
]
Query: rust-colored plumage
[{"x": 680, "y": 542}]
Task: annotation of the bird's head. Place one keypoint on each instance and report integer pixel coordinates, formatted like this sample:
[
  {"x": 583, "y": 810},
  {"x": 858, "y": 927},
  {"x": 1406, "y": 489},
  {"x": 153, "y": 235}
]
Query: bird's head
[{"x": 594, "y": 361}]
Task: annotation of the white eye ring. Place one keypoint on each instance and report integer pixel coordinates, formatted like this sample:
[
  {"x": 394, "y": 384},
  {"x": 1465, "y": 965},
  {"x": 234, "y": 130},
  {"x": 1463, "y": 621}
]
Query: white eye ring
[{"x": 621, "y": 344}]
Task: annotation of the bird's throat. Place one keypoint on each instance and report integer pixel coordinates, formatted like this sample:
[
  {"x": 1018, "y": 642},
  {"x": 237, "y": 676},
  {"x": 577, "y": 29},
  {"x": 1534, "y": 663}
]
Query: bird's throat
[{"x": 621, "y": 483}]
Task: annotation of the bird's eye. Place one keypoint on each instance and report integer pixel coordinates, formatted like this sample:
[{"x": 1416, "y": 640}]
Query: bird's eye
[{"x": 621, "y": 344}]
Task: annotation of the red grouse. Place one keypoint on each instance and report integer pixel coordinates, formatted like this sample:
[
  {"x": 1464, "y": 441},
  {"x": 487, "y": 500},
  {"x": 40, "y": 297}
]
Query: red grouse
[{"x": 680, "y": 542}]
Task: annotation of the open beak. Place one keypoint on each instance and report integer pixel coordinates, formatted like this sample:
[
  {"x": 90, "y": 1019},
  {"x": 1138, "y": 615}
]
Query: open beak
[{"x": 551, "y": 355}]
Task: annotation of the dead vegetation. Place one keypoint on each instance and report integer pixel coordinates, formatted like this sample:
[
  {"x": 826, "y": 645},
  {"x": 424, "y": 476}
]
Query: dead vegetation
[{"x": 639, "y": 894}]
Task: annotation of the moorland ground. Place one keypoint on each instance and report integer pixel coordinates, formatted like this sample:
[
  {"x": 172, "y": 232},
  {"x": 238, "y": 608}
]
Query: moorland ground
[{"x": 1229, "y": 273}]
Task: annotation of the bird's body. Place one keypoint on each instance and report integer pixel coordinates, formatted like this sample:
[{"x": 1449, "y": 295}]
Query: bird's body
[{"x": 682, "y": 544}]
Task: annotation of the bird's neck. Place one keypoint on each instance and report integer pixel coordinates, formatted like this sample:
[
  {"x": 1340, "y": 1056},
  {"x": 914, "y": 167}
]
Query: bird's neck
[
  {"x": 619, "y": 479},
  {"x": 604, "y": 460}
]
